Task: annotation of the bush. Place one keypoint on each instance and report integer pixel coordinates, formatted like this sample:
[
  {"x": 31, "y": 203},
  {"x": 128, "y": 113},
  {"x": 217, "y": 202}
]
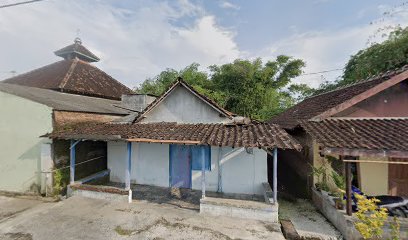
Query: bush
[
  {"x": 371, "y": 218},
  {"x": 61, "y": 181}
]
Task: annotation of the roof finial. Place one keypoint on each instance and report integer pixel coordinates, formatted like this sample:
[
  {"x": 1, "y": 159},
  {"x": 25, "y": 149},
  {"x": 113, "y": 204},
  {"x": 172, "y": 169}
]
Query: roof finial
[
  {"x": 77, "y": 39},
  {"x": 77, "y": 50}
]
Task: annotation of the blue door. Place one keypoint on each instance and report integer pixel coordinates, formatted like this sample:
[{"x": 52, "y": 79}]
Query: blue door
[{"x": 180, "y": 166}]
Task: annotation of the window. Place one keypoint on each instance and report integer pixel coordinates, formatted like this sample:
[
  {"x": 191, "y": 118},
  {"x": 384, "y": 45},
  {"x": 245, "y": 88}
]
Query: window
[{"x": 196, "y": 157}]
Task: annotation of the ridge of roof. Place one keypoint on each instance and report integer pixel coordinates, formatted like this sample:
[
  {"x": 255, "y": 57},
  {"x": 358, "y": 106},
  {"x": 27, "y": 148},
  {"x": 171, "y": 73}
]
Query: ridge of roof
[
  {"x": 68, "y": 74},
  {"x": 107, "y": 74},
  {"x": 364, "y": 118},
  {"x": 176, "y": 83},
  {"x": 386, "y": 82},
  {"x": 326, "y": 104},
  {"x": 211, "y": 101},
  {"x": 367, "y": 79}
]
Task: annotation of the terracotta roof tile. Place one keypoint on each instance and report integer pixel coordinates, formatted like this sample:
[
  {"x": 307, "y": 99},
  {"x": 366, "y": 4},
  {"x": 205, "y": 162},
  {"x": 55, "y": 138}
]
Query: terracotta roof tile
[
  {"x": 250, "y": 135},
  {"x": 315, "y": 105},
  {"x": 370, "y": 134},
  {"x": 73, "y": 76}
]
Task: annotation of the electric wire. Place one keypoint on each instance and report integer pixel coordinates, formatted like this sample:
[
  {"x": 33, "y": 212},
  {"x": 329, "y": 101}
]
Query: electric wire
[{"x": 19, "y": 3}]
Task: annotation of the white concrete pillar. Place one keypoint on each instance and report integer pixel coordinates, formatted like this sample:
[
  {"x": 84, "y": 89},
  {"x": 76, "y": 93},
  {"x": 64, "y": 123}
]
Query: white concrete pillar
[
  {"x": 72, "y": 160},
  {"x": 47, "y": 166}
]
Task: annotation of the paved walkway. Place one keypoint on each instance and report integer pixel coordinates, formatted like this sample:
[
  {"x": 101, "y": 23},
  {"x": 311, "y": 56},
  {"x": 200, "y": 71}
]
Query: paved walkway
[
  {"x": 82, "y": 218},
  {"x": 308, "y": 222}
]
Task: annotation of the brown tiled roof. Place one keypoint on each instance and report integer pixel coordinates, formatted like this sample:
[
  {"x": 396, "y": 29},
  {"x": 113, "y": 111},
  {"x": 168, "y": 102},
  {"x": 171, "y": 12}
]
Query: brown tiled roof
[
  {"x": 73, "y": 76},
  {"x": 250, "y": 135},
  {"x": 77, "y": 50},
  {"x": 178, "y": 82},
  {"x": 316, "y": 105},
  {"x": 370, "y": 134}
]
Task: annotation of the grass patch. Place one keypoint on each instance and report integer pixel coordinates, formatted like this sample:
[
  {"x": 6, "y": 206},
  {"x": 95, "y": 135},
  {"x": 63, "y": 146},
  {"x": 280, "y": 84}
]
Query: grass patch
[{"x": 123, "y": 231}]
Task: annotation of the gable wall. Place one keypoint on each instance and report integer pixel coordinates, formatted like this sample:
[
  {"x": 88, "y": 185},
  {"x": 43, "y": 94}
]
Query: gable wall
[
  {"x": 182, "y": 106},
  {"x": 389, "y": 103},
  {"x": 22, "y": 123}
]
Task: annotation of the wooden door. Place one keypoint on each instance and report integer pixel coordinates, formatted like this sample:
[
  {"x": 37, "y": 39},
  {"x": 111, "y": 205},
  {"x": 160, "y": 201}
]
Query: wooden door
[
  {"x": 180, "y": 166},
  {"x": 398, "y": 178}
]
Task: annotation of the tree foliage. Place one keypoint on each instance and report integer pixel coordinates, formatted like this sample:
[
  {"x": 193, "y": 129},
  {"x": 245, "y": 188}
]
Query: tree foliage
[
  {"x": 248, "y": 88},
  {"x": 378, "y": 58}
]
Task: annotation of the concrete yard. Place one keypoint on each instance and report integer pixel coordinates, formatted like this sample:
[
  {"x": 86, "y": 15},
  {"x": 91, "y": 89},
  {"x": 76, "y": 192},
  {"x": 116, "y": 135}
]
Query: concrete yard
[
  {"x": 11, "y": 207},
  {"x": 306, "y": 219},
  {"x": 83, "y": 218}
]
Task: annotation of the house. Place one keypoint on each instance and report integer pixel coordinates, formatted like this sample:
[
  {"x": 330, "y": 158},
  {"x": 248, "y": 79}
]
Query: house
[
  {"x": 68, "y": 91},
  {"x": 184, "y": 140},
  {"x": 363, "y": 125},
  {"x": 75, "y": 74}
]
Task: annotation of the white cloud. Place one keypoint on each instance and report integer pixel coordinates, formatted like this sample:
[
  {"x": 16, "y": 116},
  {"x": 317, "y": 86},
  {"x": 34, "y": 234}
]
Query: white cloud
[
  {"x": 331, "y": 49},
  {"x": 229, "y": 5},
  {"x": 133, "y": 43}
]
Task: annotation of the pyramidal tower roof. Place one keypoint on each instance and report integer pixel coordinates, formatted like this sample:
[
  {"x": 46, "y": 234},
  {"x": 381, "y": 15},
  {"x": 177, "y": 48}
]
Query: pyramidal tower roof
[
  {"x": 77, "y": 50},
  {"x": 73, "y": 75}
]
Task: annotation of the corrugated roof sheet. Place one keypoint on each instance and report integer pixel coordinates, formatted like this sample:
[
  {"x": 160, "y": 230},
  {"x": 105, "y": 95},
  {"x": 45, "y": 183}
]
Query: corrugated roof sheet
[
  {"x": 65, "y": 101},
  {"x": 249, "y": 135},
  {"x": 370, "y": 134}
]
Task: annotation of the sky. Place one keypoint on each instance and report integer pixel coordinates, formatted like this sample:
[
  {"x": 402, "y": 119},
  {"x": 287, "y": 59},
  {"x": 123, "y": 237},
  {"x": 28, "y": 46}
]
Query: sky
[{"x": 137, "y": 39}]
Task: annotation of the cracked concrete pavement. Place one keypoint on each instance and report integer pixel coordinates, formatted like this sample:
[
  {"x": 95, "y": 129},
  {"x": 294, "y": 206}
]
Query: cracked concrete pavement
[{"x": 83, "y": 218}]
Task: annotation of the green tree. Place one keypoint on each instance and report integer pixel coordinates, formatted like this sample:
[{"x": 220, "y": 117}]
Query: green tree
[
  {"x": 379, "y": 58},
  {"x": 158, "y": 84},
  {"x": 248, "y": 88},
  {"x": 300, "y": 91},
  {"x": 191, "y": 74}
]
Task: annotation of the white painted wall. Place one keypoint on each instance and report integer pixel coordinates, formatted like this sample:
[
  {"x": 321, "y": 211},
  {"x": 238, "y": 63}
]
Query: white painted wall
[
  {"x": 117, "y": 160},
  {"x": 151, "y": 165},
  {"x": 22, "y": 122},
  {"x": 241, "y": 172},
  {"x": 211, "y": 177},
  {"x": 182, "y": 106}
]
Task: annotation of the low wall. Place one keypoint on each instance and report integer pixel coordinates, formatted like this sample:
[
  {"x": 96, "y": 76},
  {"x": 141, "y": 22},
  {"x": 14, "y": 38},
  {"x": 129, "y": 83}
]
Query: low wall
[
  {"x": 345, "y": 223},
  {"x": 100, "y": 192},
  {"x": 238, "y": 208}
]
